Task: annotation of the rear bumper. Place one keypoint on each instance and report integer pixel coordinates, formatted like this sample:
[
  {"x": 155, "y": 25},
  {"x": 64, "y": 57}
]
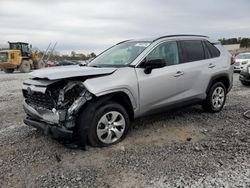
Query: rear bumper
[
  {"x": 244, "y": 76},
  {"x": 56, "y": 132}
]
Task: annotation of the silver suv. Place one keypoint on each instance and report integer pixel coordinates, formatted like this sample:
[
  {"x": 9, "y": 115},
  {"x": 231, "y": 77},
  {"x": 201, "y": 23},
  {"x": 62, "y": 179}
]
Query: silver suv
[{"x": 95, "y": 103}]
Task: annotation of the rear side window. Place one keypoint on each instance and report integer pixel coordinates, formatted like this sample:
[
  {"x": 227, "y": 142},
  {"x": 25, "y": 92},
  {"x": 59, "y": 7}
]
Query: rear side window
[
  {"x": 191, "y": 50},
  {"x": 213, "y": 51}
]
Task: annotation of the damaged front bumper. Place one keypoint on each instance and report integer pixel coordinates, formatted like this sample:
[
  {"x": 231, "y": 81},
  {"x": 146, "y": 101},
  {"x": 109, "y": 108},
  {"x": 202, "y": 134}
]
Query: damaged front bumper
[
  {"x": 47, "y": 121},
  {"x": 58, "y": 123},
  {"x": 55, "y": 131},
  {"x": 41, "y": 114},
  {"x": 51, "y": 108}
]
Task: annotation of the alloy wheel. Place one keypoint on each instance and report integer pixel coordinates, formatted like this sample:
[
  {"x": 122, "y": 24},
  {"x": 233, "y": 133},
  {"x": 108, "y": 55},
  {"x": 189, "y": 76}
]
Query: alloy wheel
[
  {"x": 218, "y": 97},
  {"x": 111, "y": 127}
]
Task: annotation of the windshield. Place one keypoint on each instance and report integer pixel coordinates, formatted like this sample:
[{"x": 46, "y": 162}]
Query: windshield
[
  {"x": 120, "y": 55},
  {"x": 243, "y": 56}
]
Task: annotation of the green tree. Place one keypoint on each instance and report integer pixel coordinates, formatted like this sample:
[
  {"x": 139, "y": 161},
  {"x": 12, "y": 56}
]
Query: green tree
[
  {"x": 93, "y": 55},
  {"x": 245, "y": 43}
]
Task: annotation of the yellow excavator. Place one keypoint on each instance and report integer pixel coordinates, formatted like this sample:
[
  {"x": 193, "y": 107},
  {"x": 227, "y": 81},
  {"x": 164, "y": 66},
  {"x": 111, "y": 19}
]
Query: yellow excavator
[{"x": 20, "y": 57}]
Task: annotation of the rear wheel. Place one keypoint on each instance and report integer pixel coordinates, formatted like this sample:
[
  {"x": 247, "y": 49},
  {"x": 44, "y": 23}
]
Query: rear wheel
[
  {"x": 108, "y": 124},
  {"x": 216, "y": 98},
  {"x": 39, "y": 64},
  {"x": 8, "y": 70},
  {"x": 25, "y": 66}
]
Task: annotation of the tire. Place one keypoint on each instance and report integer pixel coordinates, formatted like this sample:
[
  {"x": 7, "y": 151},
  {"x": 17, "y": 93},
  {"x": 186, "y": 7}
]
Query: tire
[
  {"x": 25, "y": 66},
  {"x": 102, "y": 134},
  {"x": 8, "y": 70},
  {"x": 245, "y": 83},
  {"x": 216, "y": 98},
  {"x": 39, "y": 64}
]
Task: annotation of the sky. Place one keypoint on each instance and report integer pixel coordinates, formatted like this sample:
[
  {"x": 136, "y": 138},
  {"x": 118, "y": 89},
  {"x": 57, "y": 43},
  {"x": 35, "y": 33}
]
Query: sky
[{"x": 93, "y": 25}]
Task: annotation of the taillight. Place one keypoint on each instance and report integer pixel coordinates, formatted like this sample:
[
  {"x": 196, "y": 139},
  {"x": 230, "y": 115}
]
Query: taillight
[{"x": 233, "y": 60}]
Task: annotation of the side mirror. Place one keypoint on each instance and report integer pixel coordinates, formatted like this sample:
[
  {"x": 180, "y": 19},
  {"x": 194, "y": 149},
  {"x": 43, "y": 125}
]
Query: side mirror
[{"x": 154, "y": 64}]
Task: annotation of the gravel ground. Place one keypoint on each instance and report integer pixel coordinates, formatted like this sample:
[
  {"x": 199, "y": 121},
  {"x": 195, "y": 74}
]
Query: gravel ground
[{"x": 183, "y": 148}]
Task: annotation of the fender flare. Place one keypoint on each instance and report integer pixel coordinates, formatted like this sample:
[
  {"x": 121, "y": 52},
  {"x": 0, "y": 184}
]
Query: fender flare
[
  {"x": 215, "y": 77},
  {"x": 123, "y": 90}
]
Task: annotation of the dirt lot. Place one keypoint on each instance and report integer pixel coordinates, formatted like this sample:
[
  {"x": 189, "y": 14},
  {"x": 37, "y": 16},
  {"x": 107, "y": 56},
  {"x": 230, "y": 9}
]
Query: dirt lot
[{"x": 187, "y": 147}]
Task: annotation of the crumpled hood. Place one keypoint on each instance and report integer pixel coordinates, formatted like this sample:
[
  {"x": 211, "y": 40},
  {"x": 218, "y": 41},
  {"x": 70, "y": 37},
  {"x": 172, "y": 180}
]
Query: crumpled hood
[{"x": 55, "y": 73}]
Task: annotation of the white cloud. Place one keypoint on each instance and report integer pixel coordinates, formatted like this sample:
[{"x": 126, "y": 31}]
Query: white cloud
[{"x": 94, "y": 25}]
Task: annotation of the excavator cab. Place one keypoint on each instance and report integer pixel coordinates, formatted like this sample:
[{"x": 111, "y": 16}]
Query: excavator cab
[{"x": 22, "y": 46}]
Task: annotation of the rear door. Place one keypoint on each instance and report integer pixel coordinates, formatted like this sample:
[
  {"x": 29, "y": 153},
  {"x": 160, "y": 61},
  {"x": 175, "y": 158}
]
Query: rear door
[{"x": 196, "y": 67}]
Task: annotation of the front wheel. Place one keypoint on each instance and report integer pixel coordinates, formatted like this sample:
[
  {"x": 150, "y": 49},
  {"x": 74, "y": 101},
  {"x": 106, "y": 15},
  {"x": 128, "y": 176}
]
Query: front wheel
[
  {"x": 39, "y": 64},
  {"x": 108, "y": 125},
  {"x": 25, "y": 66},
  {"x": 216, "y": 98}
]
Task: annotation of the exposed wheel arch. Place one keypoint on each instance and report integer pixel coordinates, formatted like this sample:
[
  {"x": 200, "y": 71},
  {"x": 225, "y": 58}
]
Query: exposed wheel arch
[
  {"x": 119, "y": 97},
  {"x": 123, "y": 99}
]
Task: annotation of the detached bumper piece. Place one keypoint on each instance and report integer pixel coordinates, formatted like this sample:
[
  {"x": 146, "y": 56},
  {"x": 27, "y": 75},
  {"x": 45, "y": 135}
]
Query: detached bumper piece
[{"x": 54, "y": 131}]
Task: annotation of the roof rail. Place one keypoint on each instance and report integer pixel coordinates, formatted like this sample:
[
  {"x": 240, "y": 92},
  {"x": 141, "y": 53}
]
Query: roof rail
[
  {"x": 185, "y": 35},
  {"x": 122, "y": 42}
]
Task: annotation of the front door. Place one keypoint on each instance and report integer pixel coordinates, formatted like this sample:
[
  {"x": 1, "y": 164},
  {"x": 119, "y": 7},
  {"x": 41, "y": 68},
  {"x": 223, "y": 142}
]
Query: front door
[{"x": 163, "y": 86}]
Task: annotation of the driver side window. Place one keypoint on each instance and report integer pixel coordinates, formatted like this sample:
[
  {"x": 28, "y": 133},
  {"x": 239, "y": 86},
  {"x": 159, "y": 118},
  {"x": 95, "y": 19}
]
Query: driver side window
[{"x": 167, "y": 51}]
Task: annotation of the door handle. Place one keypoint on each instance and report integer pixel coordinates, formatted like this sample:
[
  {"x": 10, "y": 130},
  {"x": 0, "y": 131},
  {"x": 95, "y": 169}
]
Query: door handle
[
  {"x": 179, "y": 73},
  {"x": 211, "y": 66}
]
